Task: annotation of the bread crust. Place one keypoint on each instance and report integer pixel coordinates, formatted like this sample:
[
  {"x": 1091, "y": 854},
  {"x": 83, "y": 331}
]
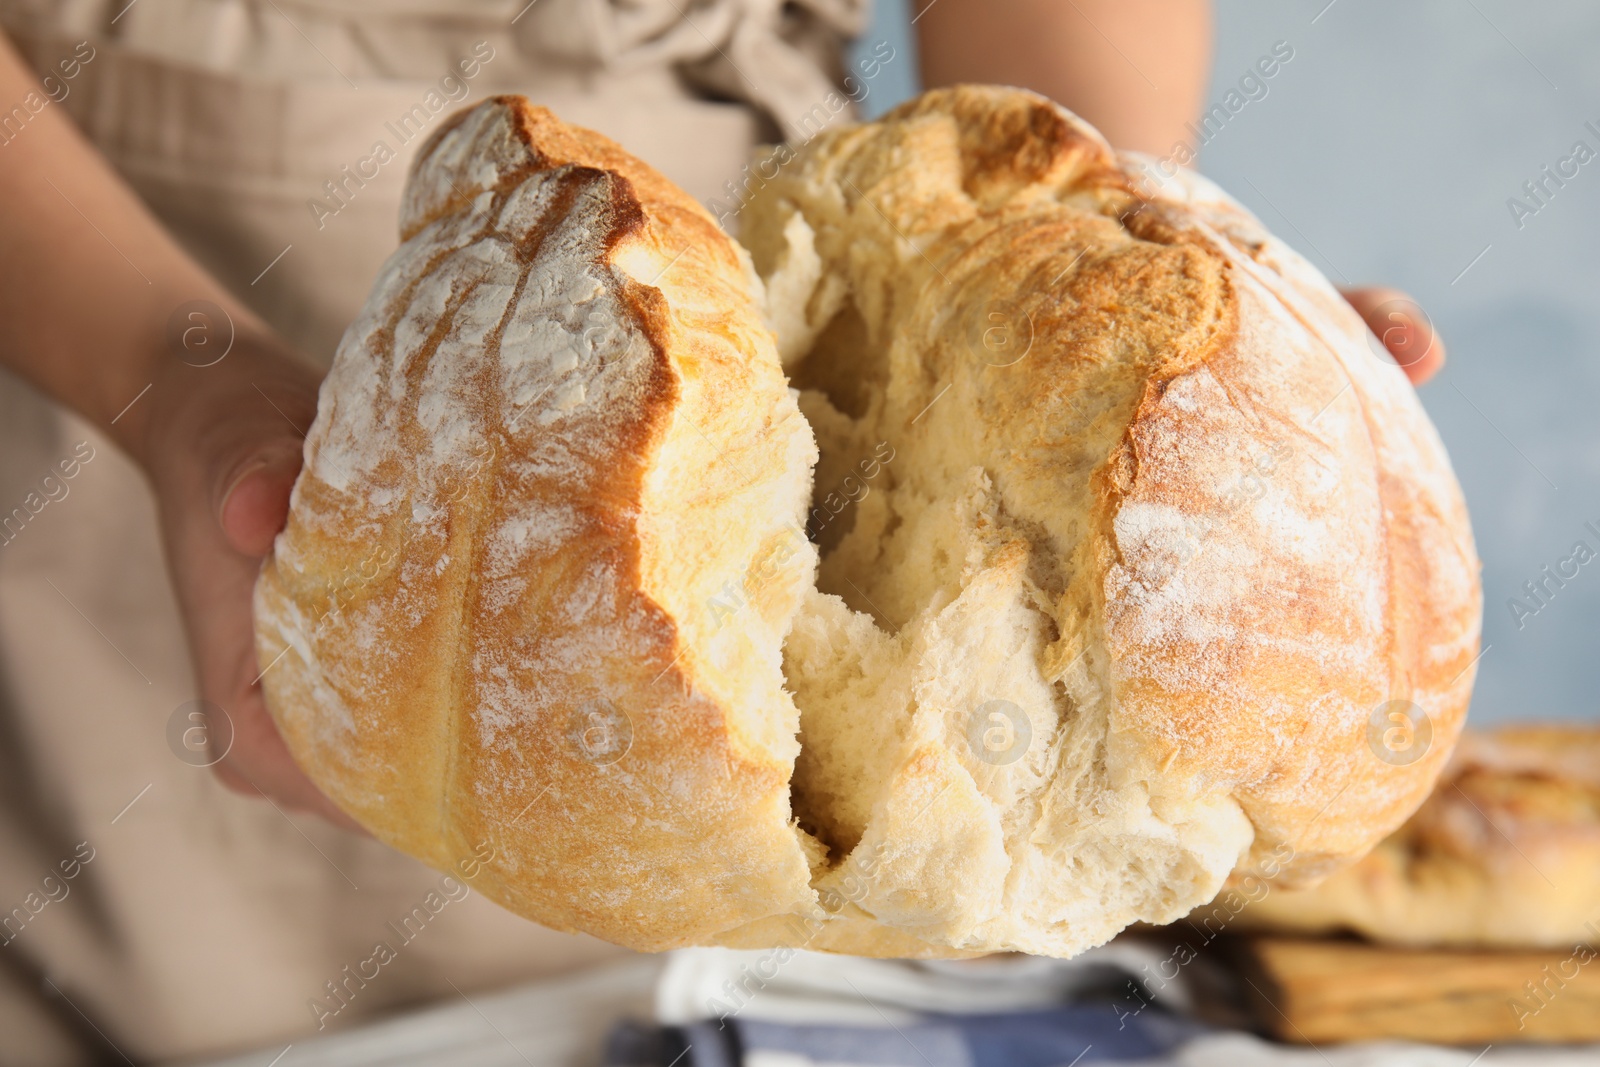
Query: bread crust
[
  {"x": 598, "y": 641},
  {"x": 1363, "y": 592}
]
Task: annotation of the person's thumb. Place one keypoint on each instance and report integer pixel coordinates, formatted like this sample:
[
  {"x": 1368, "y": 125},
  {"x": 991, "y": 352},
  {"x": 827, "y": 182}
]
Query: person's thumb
[
  {"x": 253, "y": 496},
  {"x": 1403, "y": 327}
]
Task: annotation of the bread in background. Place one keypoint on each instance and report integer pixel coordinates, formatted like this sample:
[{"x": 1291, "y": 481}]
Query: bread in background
[{"x": 1504, "y": 854}]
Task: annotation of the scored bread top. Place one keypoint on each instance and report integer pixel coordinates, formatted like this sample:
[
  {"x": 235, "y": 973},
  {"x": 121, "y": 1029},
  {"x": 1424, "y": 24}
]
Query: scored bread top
[{"x": 1106, "y": 473}]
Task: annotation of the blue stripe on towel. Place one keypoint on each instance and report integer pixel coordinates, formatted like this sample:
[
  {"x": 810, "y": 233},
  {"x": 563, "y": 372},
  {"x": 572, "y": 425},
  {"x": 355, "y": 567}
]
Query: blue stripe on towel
[{"x": 1053, "y": 1037}]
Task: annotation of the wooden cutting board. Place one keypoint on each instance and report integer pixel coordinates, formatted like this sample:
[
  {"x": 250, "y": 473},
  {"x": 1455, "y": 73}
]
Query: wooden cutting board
[{"x": 1310, "y": 991}]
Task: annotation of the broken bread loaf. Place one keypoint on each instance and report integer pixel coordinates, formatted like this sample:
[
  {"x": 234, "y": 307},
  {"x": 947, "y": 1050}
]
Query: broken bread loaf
[{"x": 997, "y": 549}]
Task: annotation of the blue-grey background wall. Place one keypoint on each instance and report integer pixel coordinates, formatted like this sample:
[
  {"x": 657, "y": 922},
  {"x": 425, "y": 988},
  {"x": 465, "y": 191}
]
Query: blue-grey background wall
[{"x": 1386, "y": 151}]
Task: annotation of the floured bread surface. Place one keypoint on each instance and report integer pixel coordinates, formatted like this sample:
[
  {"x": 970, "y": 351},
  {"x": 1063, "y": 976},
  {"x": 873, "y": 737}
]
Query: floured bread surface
[
  {"x": 1117, "y": 537},
  {"x": 557, "y": 429}
]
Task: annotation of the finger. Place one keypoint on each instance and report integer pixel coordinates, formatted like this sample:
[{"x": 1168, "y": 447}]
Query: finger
[
  {"x": 263, "y": 760},
  {"x": 256, "y": 762},
  {"x": 1404, "y": 328},
  {"x": 249, "y": 756},
  {"x": 262, "y": 767},
  {"x": 254, "y": 502}
]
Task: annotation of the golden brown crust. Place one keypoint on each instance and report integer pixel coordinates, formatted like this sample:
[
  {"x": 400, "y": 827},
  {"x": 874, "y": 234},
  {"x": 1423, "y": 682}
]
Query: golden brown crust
[{"x": 1335, "y": 501}]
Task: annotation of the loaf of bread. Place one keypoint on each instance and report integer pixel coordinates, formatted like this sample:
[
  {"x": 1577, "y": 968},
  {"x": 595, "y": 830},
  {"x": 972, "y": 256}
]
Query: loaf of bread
[
  {"x": 994, "y": 551},
  {"x": 1504, "y": 854}
]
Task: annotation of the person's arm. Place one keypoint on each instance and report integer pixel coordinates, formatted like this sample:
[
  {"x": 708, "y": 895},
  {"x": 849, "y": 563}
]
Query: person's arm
[
  {"x": 1138, "y": 70},
  {"x": 89, "y": 283}
]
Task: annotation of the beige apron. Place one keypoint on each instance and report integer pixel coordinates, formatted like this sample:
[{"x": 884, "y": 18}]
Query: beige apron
[{"x": 141, "y": 905}]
